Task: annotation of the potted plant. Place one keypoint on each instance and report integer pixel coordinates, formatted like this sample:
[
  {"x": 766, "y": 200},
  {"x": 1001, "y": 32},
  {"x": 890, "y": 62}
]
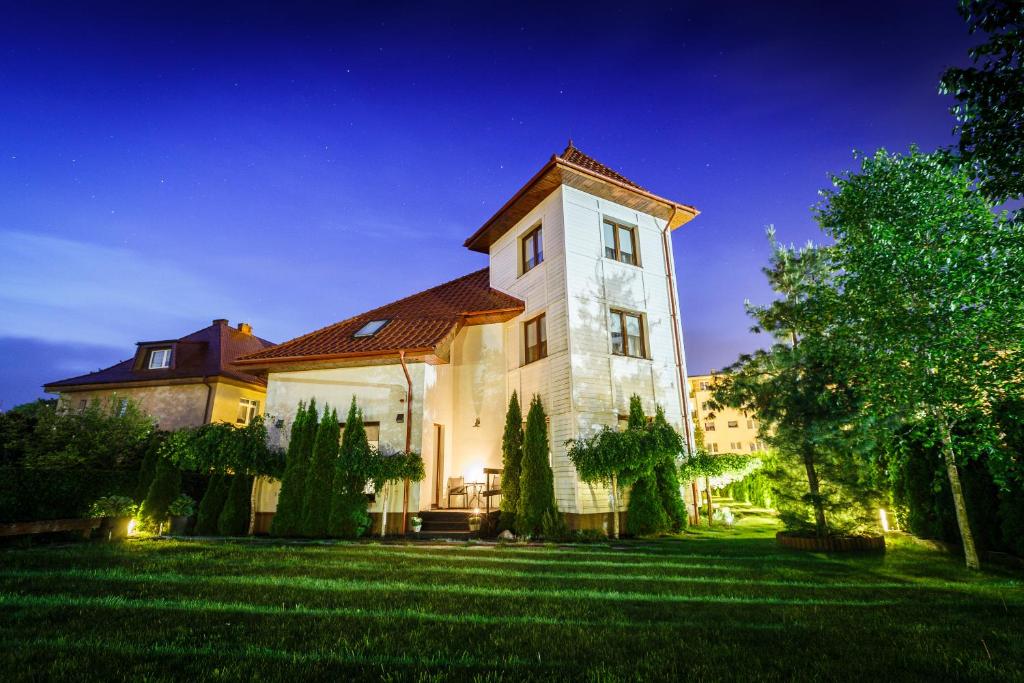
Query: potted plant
[
  {"x": 416, "y": 522},
  {"x": 474, "y": 522},
  {"x": 181, "y": 510},
  {"x": 117, "y": 513}
]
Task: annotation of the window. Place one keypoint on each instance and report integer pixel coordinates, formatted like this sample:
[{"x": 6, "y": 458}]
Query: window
[
  {"x": 533, "y": 249},
  {"x": 753, "y": 447},
  {"x": 159, "y": 358},
  {"x": 750, "y": 424},
  {"x": 714, "y": 448},
  {"x": 372, "y": 433},
  {"x": 733, "y": 424},
  {"x": 620, "y": 243},
  {"x": 82, "y": 403},
  {"x": 536, "y": 338},
  {"x": 628, "y": 334},
  {"x": 704, "y": 386},
  {"x": 737, "y": 446},
  {"x": 624, "y": 421},
  {"x": 371, "y": 328},
  {"x": 247, "y": 410},
  {"x": 709, "y": 426},
  {"x": 122, "y": 407},
  {"x": 704, "y": 406}
]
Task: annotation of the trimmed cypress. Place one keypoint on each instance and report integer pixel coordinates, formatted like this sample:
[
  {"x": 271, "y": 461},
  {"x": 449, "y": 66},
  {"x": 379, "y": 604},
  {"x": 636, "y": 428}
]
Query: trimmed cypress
[
  {"x": 645, "y": 514},
  {"x": 316, "y": 508},
  {"x": 537, "y": 482},
  {"x": 234, "y": 518},
  {"x": 166, "y": 487},
  {"x": 211, "y": 505},
  {"x": 349, "y": 517},
  {"x": 666, "y": 474},
  {"x": 148, "y": 468},
  {"x": 287, "y": 519},
  {"x": 512, "y": 463}
]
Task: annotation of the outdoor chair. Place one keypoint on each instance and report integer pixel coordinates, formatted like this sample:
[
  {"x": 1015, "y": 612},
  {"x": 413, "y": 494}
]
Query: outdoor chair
[{"x": 457, "y": 487}]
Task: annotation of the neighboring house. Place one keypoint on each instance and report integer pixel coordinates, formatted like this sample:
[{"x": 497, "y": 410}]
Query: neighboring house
[
  {"x": 180, "y": 382},
  {"x": 577, "y": 305},
  {"x": 728, "y": 430}
]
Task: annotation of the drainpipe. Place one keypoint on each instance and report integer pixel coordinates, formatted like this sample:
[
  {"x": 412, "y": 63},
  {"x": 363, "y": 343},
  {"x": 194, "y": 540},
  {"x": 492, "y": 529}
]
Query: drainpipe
[
  {"x": 208, "y": 411},
  {"x": 408, "y": 439}
]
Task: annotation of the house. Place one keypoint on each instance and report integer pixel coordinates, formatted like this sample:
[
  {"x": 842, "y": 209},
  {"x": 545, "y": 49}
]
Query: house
[
  {"x": 180, "y": 382},
  {"x": 728, "y": 430},
  {"x": 577, "y": 304}
]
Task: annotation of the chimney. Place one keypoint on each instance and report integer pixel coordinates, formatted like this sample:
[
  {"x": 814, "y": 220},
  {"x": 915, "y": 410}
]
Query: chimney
[
  {"x": 220, "y": 321},
  {"x": 245, "y": 328}
]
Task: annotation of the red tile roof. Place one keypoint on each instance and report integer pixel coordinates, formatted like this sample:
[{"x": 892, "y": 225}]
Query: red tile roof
[
  {"x": 418, "y": 322},
  {"x": 209, "y": 352},
  {"x": 575, "y": 156}
]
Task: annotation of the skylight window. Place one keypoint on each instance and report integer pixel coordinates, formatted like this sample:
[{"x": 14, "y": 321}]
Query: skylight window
[{"x": 371, "y": 328}]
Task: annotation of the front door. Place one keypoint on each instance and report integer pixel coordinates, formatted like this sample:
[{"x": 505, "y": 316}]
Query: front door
[{"x": 438, "y": 466}]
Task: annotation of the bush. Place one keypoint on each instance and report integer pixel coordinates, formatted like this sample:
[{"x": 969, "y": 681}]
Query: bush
[
  {"x": 113, "y": 506},
  {"x": 212, "y": 505},
  {"x": 645, "y": 514},
  {"x": 182, "y": 506},
  {"x": 536, "y": 488},
  {"x": 511, "y": 462},
  {"x": 150, "y": 458},
  {"x": 234, "y": 518},
  {"x": 165, "y": 488},
  {"x": 316, "y": 508},
  {"x": 348, "y": 516},
  {"x": 27, "y": 495},
  {"x": 287, "y": 519}
]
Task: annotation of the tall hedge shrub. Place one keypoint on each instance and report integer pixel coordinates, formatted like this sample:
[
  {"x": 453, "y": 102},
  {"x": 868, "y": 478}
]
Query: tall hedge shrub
[
  {"x": 645, "y": 514},
  {"x": 287, "y": 520},
  {"x": 234, "y": 518},
  {"x": 147, "y": 470},
  {"x": 316, "y": 507},
  {"x": 212, "y": 504},
  {"x": 537, "y": 487},
  {"x": 512, "y": 463},
  {"x": 666, "y": 471},
  {"x": 166, "y": 487},
  {"x": 349, "y": 517}
]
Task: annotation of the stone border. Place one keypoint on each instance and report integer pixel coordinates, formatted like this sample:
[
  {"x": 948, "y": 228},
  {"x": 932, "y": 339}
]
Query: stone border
[{"x": 831, "y": 544}]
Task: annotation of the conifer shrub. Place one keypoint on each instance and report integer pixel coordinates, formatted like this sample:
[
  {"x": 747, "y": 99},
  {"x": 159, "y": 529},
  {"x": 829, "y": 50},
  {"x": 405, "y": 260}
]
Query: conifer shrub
[
  {"x": 316, "y": 508},
  {"x": 288, "y": 519},
  {"x": 666, "y": 473},
  {"x": 234, "y": 518},
  {"x": 147, "y": 470},
  {"x": 348, "y": 515},
  {"x": 166, "y": 486},
  {"x": 212, "y": 504},
  {"x": 537, "y": 487},
  {"x": 645, "y": 514},
  {"x": 511, "y": 459}
]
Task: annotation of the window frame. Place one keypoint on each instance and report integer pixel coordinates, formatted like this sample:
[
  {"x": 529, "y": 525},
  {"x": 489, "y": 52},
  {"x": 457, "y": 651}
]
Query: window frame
[
  {"x": 535, "y": 239},
  {"x": 153, "y": 354},
  {"x": 622, "y": 315},
  {"x": 542, "y": 344},
  {"x": 252, "y": 409},
  {"x": 733, "y": 424},
  {"x": 359, "y": 334},
  {"x": 617, "y": 246}
]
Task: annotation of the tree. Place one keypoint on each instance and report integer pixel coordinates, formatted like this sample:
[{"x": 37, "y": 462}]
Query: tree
[
  {"x": 150, "y": 458},
  {"x": 234, "y": 516},
  {"x": 511, "y": 462},
  {"x": 669, "y": 446},
  {"x": 930, "y": 281},
  {"x": 316, "y": 506},
  {"x": 645, "y": 513},
  {"x": 166, "y": 486},
  {"x": 536, "y": 487},
  {"x": 388, "y": 467},
  {"x": 212, "y": 504},
  {"x": 288, "y": 517},
  {"x": 353, "y": 469},
  {"x": 990, "y": 97}
]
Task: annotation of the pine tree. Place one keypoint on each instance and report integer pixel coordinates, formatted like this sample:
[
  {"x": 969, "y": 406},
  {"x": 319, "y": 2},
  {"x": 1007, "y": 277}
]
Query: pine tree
[
  {"x": 666, "y": 473},
  {"x": 316, "y": 509},
  {"x": 288, "y": 518},
  {"x": 211, "y": 505},
  {"x": 234, "y": 518},
  {"x": 512, "y": 463},
  {"x": 536, "y": 488},
  {"x": 348, "y": 516},
  {"x": 166, "y": 487}
]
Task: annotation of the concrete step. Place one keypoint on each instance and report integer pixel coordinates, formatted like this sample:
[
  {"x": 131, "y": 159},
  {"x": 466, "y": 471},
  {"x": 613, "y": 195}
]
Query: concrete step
[{"x": 433, "y": 525}]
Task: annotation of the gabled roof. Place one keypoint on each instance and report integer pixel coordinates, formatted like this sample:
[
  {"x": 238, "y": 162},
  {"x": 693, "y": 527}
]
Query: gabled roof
[
  {"x": 209, "y": 352},
  {"x": 581, "y": 171},
  {"x": 420, "y": 324}
]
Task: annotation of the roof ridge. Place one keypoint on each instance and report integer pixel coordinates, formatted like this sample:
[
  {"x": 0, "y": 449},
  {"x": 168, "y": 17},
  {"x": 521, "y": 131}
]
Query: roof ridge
[{"x": 574, "y": 155}]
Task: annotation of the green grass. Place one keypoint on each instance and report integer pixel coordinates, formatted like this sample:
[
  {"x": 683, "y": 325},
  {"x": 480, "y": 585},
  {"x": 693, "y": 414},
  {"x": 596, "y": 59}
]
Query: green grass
[{"x": 721, "y": 604}]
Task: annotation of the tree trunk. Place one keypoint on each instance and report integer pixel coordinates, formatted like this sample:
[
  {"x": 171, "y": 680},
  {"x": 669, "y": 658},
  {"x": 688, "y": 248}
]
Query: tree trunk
[
  {"x": 615, "y": 507},
  {"x": 820, "y": 525},
  {"x": 252, "y": 506},
  {"x": 953, "y": 472},
  {"x": 695, "y": 494},
  {"x": 707, "y": 485},
  {"x": 384, "y": 510}
]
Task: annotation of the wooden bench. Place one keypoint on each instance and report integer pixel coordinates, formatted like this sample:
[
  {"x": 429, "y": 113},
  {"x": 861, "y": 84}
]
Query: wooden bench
[{"x": 47, "y": 526}]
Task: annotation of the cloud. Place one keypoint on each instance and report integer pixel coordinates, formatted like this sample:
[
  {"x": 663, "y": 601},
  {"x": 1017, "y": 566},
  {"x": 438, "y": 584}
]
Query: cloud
[{"x": 62, "y": 290}]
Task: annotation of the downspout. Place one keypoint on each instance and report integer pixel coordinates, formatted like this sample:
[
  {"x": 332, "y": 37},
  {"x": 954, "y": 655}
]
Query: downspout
[
  {"x": 208, "y": 411},
  {"x": 408, "y": 439}
]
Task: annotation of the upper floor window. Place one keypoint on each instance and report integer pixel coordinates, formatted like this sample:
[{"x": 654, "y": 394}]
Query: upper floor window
[
  {"x": 628, "y": 334},
  {"x": 734, "y": 424},
  {"x": 620, "y": 243},
  {"x": 704, "y": 386},
  {"x": 535, "y": 336},
  {"x": 371, "y": 328},
  {"x": 247, "y": 410},
  {"x": 532, "y": 249},
  {"x": 159, "y": 358},
  {"x": 709, "y": 426}
]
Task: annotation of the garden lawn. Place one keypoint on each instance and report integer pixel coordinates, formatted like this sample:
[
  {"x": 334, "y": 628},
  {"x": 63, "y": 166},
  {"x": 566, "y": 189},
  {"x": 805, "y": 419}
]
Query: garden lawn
[{"x": 709, "y": 605}]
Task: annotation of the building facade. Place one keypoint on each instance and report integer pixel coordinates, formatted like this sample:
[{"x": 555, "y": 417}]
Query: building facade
[{"x": 728, "y": 430}]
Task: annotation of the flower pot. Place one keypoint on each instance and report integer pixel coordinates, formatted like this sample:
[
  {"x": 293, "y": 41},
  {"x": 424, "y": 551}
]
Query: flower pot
[
  {"x": 474, "y": 524},
  {"x": 179, "y": 525},
  {"x": 115, "y": 528},
  {"x": 417, "y": 527}
]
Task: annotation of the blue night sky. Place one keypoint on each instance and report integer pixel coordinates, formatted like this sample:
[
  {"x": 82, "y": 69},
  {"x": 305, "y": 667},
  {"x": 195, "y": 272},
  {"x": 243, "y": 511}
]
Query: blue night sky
[{"x": 163, "y": 163}]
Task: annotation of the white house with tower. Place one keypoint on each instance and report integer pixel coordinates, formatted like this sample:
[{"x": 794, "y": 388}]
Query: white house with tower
[{"x": 576, "y": 303}]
